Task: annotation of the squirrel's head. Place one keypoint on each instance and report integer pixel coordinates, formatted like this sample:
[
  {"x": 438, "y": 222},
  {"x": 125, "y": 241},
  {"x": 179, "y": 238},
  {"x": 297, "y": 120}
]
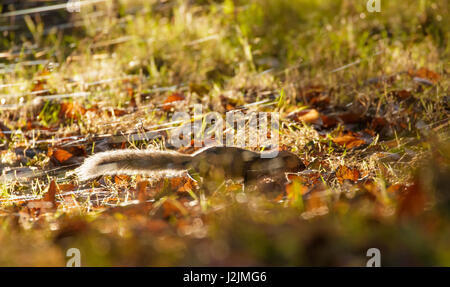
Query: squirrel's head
[{"x": 291, "y": 162}]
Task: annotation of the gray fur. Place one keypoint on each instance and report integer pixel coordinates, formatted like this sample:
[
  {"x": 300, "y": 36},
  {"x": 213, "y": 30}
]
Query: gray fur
[
  {"x": 132, "y": 162},
  {"x": 212, "y": 163}
]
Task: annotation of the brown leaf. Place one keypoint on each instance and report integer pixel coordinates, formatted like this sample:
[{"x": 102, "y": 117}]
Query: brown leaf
[
  {"x": 51, "y": 193},
  {"x": 116, "y": 112},
  {"x": 78, "y": 150},
  {"x": 308, "y": 116},
  {"x": 349, "y": 140},
  {"x": 412, "y": 202},
  {"x": 314, "y": 95},
  {"x": 5, "y": 129},
  {"x": 48, "y": 202},
  {"x": 66, "y": 187},
  {"x": 38, "y": 85},
  {"x": 71, "y": 110},
  {"x": 141, "y": 190},
  {"x": 426, "y": 74},
  {"x": 59, "y": 154},
  {"x": 401, "y": 95},
  {"x": 378, "y": 123},
  {"x": 228, "y": 103},
  {"x": 173, "y": 208},
  {"x": 346, "y": 173},
  {"x": 134, "y": 99},
  {"x": 308, "y": 179},
  {"x": 351, "y": 118},
  {"x": 396, "y": 188},
  {"x": 329, "y": 121},
  {"x": 174, "y": 97},
  {"x": 315, "y": 202},
  {"x": 122, "y": 180},
  {"x": 187, "y": 186}
]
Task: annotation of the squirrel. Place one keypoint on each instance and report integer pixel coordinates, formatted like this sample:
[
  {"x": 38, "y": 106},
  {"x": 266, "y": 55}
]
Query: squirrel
[{"x": 212, "y": 164}]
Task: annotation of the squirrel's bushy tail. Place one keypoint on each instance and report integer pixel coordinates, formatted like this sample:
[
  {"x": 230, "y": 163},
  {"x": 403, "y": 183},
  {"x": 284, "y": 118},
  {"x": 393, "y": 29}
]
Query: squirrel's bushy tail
[{"x": 132, "y": 162}]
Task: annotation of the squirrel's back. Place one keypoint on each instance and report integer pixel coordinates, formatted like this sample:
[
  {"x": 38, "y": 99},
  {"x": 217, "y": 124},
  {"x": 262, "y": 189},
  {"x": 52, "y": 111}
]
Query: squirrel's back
[
  {"x": 132, "y": 162},
  {"x": 212, "y": 163}
]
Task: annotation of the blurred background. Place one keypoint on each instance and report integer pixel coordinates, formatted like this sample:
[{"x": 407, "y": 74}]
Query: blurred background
[{"x": 364, "y": 102}]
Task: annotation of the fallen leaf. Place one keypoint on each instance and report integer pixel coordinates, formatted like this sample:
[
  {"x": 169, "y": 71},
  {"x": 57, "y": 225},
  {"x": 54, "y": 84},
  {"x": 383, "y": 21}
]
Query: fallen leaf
[
  {"x": 116, "y": 112},
  {"x": 314, "y": 95},
  {"x": 141, "y": 191},
  {"x": 173, "y": 208},
  {"x": 174, "y": 97},
  {"x": 228, "y": 103},
  {"x": 396, "y": 188},
  {"x": 401, "y": 94},
  {"x": 309, "y": 116},
  {"x": 48, "y": 203},
  {"x": 412, "y": 201},
  {"x": 351, "y": 118},
  {"x": 315, "y": 201},
  {"x": 329, "y": 121},
  {"x": 51, "y": 193},
  {"x": 66, "y": 187},
  {"x": 122, "y": 180},
  {"x": 71, "y": 110},
  {"x": 307, "y": 178},
  {"x": 424, "y": 73},
  {"x": 349, "y": 141},
  {"x": 59, "y": 154},
  {"x": 378, "y": 124},
  {"x": 346, "y": 173}
]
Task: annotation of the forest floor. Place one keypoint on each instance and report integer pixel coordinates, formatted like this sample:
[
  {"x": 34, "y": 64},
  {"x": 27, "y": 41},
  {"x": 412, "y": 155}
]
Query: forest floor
[{"x": 362, "y": 98}]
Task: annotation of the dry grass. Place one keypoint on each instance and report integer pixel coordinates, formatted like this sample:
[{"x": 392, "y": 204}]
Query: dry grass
[{"x": 375, "y": 143}]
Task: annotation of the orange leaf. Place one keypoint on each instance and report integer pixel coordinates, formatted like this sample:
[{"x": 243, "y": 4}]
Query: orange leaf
[
  {"x": 401, "y": 94},
  {"x": 61, "y": 155},
  {"x": 173, "y": 207},
  {"x": 348, "y": 140},
  {"x": 50, "y": 195},
  {"x": 121, "y": 179},
  {"x": 66, "y": 187},
  {"x": 344, "y": 173},
  {"x": 314, "y": 95},
  {"x": 315, "y": 201},
  {"x": 71, "y": 110},
  {"x": 395, "y": 188},
  {"x": 141, "y": 189},
  {"x": 48, "y": 202},
  {"x": 351, "y": 118},
  {"x": 412, "y": 202},
  {"x": 424, "y": 73},
  {"x": 329, "y": 121},
  {"x": 307, "y": 116},
  {"x": 174, "y": 97}
]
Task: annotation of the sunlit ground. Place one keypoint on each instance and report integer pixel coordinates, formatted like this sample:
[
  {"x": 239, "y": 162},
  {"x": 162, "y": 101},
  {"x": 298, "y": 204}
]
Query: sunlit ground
[{"x": 362, "y": 98}]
